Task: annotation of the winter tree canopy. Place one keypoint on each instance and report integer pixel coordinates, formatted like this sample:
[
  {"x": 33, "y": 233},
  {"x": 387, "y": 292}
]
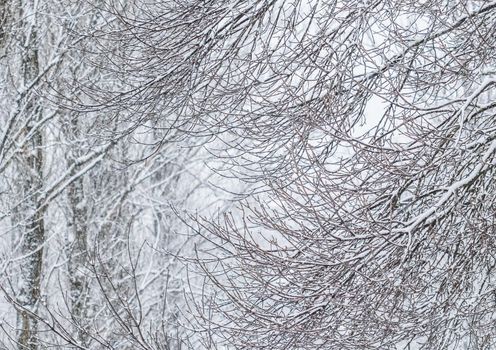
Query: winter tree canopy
[{"x": 262, "y": 174}]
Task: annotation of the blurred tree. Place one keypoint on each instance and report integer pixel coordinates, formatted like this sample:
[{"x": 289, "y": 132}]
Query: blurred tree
[{"x": 89, "y": 244}]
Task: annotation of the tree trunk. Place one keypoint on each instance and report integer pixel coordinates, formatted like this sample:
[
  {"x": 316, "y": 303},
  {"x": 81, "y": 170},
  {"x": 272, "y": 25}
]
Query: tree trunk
[
  {"x": 32, "y": 184},
  {"x": 78, "y": 249}
]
